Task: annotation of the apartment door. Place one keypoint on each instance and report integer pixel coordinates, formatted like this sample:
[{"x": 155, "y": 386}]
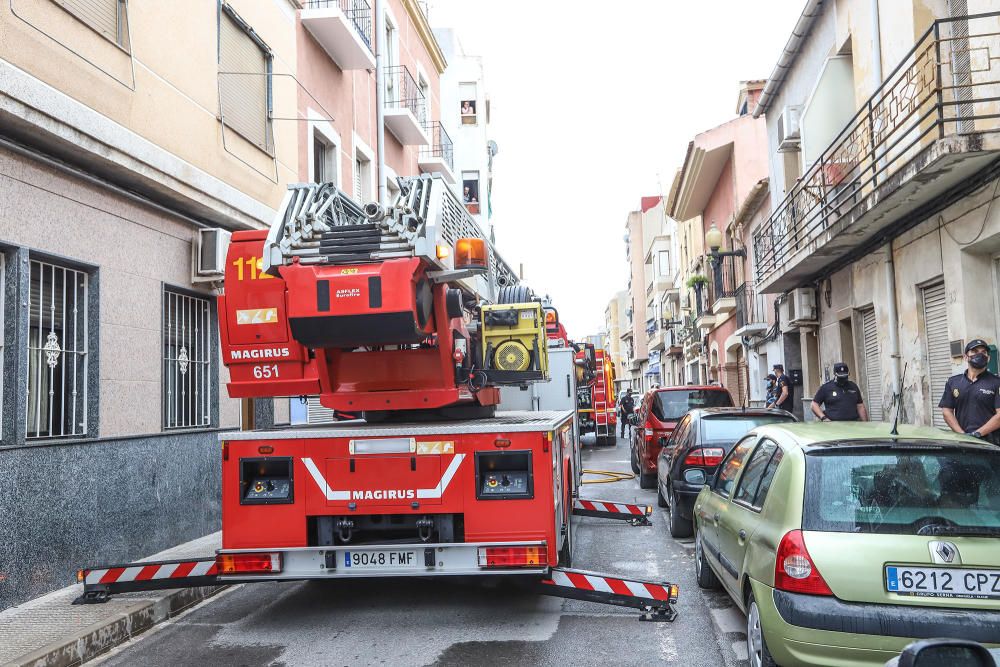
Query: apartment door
[
  {"x": 936, "y": 346},
  {"x": 872, "y": 380}
]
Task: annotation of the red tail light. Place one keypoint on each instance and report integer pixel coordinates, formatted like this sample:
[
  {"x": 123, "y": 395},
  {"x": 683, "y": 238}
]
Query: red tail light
[
  {"x": 794, "y": 570},
  {"x": 705, "y": 456},
  {"x": 256, "y": 563},
  {"x": 519, "y": 556},
  {"x": 648, "y": 434}
]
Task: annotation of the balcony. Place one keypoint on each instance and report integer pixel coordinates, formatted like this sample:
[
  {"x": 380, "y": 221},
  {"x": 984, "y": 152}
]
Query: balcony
[
  {"x": 439, "y": 157},
  {"x": 704, "y": 317},
  {"x": 751, "y": 314},
  {"x": 924, "y": 139},
  {"x": 724, "y": 271},
  {"x": 654, "y": 335},
  {"x": 672, "y": 342},
  {"x": 343, "y": 28},
  {"x": 405, "y": 107}
]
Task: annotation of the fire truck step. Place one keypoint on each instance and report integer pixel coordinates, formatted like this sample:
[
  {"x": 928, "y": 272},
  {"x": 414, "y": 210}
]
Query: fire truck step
[
  {"x": 655, "y": 599},
  {"x": 637, "y": 515},
  {"x": 100, "y": 583}
]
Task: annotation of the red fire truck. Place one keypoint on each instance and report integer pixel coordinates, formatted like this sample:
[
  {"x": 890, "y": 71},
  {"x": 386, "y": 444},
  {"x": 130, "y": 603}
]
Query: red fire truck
[
  {"x": 596, "y": 394},
  {"x": 408, "y": 320}
]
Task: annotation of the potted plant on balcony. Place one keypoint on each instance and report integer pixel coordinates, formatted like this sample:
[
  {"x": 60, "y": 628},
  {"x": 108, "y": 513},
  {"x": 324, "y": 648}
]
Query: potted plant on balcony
[{"x": 696, "y": 282}]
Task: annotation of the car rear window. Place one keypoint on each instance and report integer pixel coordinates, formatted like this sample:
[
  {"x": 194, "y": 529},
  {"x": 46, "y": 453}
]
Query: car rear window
[
  {"x": 669, "y": 406},
  {"x": 903, "y": 492},
  {"x": 730, "y": 429}
]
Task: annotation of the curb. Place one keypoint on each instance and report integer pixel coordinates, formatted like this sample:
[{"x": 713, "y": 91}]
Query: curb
[{"x": 90, "y": 642}]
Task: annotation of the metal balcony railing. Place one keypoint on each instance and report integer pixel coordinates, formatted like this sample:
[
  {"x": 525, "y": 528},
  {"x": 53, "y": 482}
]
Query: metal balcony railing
[
  {"x": 750, "y": 306},
  {"x": 441, "y": 145},
  {"x": 947, "y": 85},
  {"x": 358, "y": 12},
  {"x": 651, "y": 327},
  {"x": 724, "y": 272},
  {"x": 402, "y": 92}
]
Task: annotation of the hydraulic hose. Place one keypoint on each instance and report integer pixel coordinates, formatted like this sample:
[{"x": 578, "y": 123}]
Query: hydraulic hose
[{"x": 610, "y": 476}]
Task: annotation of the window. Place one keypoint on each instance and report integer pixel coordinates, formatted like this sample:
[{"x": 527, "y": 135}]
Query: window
[
  {"x": 106, "y": 17},
  {"x": 467, "y": 97},
  {"x": 729, "y": 429},
  {"x": 362, "y": 179},
  {"x": 324, "y": 164},
  {"x": 873, "y": 365},
  {"x": 663, "y": 263},
  {"x": 672, "y": 404},
  {"x": 756, "y": 469},
  {"x": 245, "y": 81},
  {"x": 470, "y": 191},
  {"x": 57, "y": 352},
  {"x": 731, "y": 466},
  {"x": 187, "y": 360}
]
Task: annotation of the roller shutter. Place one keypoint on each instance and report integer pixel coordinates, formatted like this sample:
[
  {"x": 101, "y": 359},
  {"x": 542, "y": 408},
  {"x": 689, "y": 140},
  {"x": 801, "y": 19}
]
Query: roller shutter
[
  {"x": 938, "y": 349},
  {"x": 873, "y": 367},
  {"x": 243, "y": 83},
  {"x": 101, "y": 15}
]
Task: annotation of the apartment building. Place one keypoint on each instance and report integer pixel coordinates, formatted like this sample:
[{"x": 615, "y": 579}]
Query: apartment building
[
  {"x": 615, "y": 320},
  {"x": 884, "y": 157},
  {"x": 721, "y": 172}
]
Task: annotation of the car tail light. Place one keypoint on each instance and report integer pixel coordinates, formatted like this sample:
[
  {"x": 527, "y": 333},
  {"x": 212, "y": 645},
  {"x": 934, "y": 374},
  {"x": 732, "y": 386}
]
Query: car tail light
[
  {"x": 794, "y": 570},
  {"x": 648, "y": 434},
  {"x": 518, "y": 556},
  {"x": 249, "y": 563},
  {"x": 705, "y": 456}
]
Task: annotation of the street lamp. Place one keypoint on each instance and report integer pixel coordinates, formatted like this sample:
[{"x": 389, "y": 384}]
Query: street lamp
[{"x": 713, "y": 239}]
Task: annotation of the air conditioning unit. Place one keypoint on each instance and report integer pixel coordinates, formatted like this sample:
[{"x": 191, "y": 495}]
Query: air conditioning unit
[
  {"x": 788, "y": 129},
  {"x": 800, "y": 307},
  {"x": 210, "y": 254}
]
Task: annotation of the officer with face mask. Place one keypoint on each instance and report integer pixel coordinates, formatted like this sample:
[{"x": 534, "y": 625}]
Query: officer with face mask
[
  {"x": 971, "y": 401},
  {"x": 839, "y": 399}
]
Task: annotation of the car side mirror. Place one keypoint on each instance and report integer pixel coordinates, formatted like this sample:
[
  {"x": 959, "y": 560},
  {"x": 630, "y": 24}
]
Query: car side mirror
[
  {"x": 663, "y": 440},
  {"x": 695, "y": 476},
  {"x": 932, "y": 652}
]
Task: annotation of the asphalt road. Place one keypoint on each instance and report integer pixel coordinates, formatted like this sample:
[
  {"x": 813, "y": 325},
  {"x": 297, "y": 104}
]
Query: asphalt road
[{"x": 421, "y": 622}]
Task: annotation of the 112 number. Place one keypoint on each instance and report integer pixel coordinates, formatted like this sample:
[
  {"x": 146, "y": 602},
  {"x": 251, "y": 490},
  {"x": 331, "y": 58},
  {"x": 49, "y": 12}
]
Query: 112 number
[{"x": 254, "y": 266}]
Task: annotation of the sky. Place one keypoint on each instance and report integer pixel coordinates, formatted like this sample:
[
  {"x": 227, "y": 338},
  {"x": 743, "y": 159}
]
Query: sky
[{"x": 592, "y": 107}]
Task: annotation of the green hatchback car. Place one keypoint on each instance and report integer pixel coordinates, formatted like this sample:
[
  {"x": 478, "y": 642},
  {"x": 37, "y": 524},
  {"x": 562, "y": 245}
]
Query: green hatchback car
[{"x": 843, "y": 543}]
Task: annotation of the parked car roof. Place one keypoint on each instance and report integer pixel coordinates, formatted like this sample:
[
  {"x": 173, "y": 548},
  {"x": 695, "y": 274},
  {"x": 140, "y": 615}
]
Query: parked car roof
[
  {"x": 811, "y": 435},
  {"x": 736, "y": 411}
]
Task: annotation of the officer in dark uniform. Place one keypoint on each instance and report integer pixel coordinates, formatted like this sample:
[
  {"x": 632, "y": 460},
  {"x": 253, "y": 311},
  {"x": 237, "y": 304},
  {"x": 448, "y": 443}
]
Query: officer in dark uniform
[
  {"x": 784, "y": 399},
  {"x": 839, "y": 400},
  {"x": 971, "y": 401}
]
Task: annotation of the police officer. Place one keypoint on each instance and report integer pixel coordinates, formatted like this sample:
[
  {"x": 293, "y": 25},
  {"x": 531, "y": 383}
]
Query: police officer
[
  {"x": 626, "y": 406},
  {"x": 971, "y": 401},
  {"x": 839, "y": 400},
  {"x": 784, "y": 399}
]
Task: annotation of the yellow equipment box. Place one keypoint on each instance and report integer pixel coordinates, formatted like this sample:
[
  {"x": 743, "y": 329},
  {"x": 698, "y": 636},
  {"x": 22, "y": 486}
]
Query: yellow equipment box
[{"x": 514, "y": 344}]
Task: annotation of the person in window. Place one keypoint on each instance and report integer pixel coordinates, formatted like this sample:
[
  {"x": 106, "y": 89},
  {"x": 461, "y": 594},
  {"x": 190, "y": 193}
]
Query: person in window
[
  {"x": 469, "y": 196},
  {"x": 467, "y": 108},
  {"x": 839, "y": 399}
]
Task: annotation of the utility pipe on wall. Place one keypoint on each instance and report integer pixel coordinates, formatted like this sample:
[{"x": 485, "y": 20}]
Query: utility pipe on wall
[
  {"x": 380, "y": 47},
  {"x": 876, "y": 45},
  {"x": 893, "y": 313}
]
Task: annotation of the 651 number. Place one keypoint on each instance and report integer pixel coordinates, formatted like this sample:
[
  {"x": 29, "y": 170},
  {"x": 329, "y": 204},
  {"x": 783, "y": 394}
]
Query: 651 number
[{"x": 265, "y": 372}]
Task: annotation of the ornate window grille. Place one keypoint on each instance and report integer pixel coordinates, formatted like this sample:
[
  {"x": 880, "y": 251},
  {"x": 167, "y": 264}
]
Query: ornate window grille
[
  {"x": 187, "y": 367},
  {"x": 57, "y": 352}
]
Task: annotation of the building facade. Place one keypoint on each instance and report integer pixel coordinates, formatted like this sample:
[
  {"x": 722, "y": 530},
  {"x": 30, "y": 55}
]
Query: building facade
[
  {"x": 614, "y": 322},
  {"x": 881, "y": 242},
  {"x": 722, "y": 170}
]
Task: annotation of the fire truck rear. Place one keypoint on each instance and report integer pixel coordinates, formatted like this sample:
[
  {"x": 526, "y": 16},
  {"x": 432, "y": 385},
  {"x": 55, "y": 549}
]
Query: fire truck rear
[{"x": 406, "y": 322}]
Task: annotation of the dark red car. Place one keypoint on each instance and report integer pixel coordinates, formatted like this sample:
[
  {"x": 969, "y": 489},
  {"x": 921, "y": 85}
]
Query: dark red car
[{"x": 657, "y": 416}]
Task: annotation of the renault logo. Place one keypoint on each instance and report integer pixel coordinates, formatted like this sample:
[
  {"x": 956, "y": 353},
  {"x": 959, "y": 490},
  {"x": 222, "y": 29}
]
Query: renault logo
[{"x": 944, "y": 552}]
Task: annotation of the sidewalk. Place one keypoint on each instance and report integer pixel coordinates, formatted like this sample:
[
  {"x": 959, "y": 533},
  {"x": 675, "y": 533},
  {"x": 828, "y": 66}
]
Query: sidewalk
[{"x": 50, "y": 632}]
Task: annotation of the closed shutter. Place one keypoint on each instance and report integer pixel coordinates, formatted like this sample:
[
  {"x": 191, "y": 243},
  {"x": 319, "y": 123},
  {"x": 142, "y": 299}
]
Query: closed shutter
[
  {"x": 101, "y": 15},
  {"x": 243, "y": 83},
  {"x": 938, "y": 348},
  {"x": 316, "y": 413},
  {"x": 358, "y": 192},
  {"x": 873, "y": 365}
]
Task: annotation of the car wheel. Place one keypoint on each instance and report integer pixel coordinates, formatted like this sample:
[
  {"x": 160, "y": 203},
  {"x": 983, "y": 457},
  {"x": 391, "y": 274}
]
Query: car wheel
[
  {"x": 647, "y": 481},
  {"x": 660, "y": 500},
  {"x": 706, "y": 577},
  {"x": 635, "y": 463},
  {"x": 756, "y": 646},
  {"x": 679, "y": 526}
]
